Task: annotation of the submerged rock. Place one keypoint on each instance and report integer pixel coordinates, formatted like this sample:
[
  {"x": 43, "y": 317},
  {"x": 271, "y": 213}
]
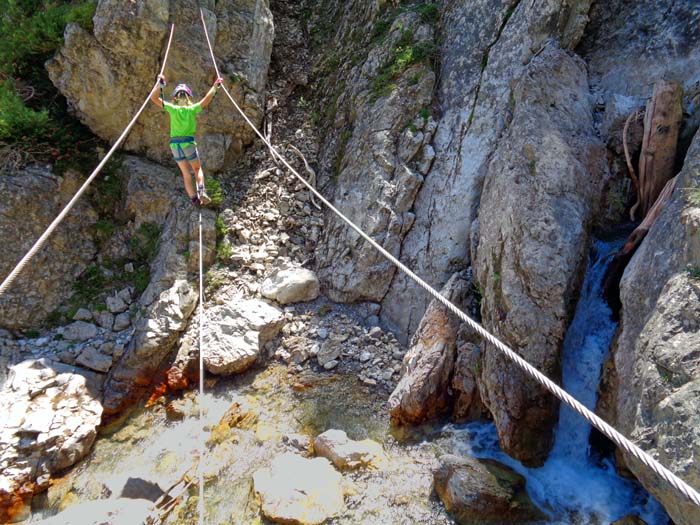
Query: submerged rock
[
  {"x": 347, "y": 453},
  {"x": 298, "y": 490},
  {"x": 483, "y": 492}
]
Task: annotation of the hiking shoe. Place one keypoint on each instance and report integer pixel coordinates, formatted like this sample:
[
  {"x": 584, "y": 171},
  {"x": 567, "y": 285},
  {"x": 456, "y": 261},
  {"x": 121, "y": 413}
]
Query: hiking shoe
[
  {"x": 195, "y": 201},
  {"x": 204, "y": 199}
]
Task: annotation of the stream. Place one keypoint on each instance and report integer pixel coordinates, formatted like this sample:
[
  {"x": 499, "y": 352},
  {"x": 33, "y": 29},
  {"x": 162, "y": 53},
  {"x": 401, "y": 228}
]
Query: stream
[{"x": 575, "y": 486}]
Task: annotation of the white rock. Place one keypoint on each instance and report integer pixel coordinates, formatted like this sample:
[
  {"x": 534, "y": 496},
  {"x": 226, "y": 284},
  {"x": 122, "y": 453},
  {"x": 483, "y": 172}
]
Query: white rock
[
  {"x": 236, "y": 334},
  {"x": 346, "y": 453},
  {"x": 104, "y": 319},
  {"x": 330, "y": 365},
  {"x": 292, "y": 285},
  {"x": 299, "y": 490},
  {"x": 328, "y": 352}
]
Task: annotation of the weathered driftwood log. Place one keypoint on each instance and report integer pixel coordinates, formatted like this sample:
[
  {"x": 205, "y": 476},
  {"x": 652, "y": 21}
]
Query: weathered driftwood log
[
  {"x": 662, "y": 123},
  {"x": 611, "y": 282}
]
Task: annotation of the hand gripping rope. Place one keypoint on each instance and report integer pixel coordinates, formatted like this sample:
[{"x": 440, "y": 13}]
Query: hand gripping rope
[
  {"x": 40, "y": 242},
  {"x": 681, "y": 486}
]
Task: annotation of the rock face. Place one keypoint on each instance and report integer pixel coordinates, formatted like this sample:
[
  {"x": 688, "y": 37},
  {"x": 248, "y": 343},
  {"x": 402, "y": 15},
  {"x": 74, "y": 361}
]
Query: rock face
[
  {"x": 292, "y": 285},
  {"x": 347, "y": 453},
  {"x": 298, "y": 490},
  {"x": 483, "y": 492},
  {"x": 107, "y": 74},
  {"x": 487, "y": 48},
  {"x": 381, "y": 164},
  {"x": 52, "y": 412},
  {"x": 237, "y": 332},
  {"x": 169, "y": 299},
  {"x": 422, "y": 391},
  {"x": 541, "y": 189},
  {"x": 656, "y": 365},
  {"x": 33, "y": 198}
]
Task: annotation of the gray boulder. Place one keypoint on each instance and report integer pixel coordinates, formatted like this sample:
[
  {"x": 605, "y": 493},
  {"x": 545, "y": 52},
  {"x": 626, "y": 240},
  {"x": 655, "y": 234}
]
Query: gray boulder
[
  {"x": 122, "y": 54},
  {"x": 542, "y": 188},
  {"x": 422, "y": 391},
  {"x": 291, "y": 285},
  {"x": 237, "y": 332},
  {"x": 346, "y": 453}
]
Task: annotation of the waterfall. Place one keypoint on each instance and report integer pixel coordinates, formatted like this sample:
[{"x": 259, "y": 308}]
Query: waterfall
[{"x": 575, "y": 485}]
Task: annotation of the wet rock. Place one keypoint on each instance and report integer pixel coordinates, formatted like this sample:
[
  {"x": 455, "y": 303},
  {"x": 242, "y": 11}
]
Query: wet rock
[
  {"x": 529, "y": 259},
  {"x": 655, "y": 367},
  {"x": 240, "y": 415},
  {"x": 176, "y": 379},
  {"x": 138, "y": 488},
  {"x": 630, "y": 520},
  {"x": 51, "y": 416},
  {"x": 422, "y": 391},
  {"x": 483, "y": 492},
  {"x": 237, "y": 332},
  {"x": 292, "y": 285},
  {"x": 347, "y": 454},
  {"x": 465, "y": 384},
  {"x": 80, "y": 331},
  {"x": 33, "y": 198},
  {"x": 287, "y": 497},
  {"x": 120, "y": 49}
]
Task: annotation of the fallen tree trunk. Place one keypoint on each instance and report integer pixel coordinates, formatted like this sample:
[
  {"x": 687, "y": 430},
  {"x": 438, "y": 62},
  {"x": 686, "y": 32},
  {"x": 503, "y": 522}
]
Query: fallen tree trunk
[
  {"x": 662, "y": 123},
  {"x": 611, "y": 281}
]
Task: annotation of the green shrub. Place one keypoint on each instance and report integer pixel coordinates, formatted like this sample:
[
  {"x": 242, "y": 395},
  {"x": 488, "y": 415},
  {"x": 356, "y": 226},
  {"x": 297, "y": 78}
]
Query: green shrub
[
  {"x": 214, "y": 191},
  {"x": 16, "y": 119},
  {"x": 428, "y": 13}
]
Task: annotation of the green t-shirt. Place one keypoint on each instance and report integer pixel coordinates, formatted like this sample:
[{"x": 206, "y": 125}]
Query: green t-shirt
[{"x": 183, "y": 119}]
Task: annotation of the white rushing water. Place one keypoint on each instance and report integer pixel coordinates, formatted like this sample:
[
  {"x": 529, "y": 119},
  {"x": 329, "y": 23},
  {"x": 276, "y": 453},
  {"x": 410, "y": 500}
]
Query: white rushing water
[{"x": 575, "y": 486}]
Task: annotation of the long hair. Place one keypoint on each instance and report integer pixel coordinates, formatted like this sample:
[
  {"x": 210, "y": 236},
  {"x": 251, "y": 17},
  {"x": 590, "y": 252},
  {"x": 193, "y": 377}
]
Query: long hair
[{"x": 182, "y": 99}]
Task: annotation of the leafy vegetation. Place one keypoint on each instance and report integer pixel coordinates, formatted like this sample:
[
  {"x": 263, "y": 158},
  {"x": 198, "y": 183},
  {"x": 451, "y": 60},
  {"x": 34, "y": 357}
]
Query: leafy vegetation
[
  {"x": 404, "y": 54},
  {"x": 214, "y": 191},
  {"x": 33, "y": 116}
]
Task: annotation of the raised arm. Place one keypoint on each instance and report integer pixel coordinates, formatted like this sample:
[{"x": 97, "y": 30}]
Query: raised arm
[
  {"x": 155, "y": 95},
  {"x": 210, "y": 94}
]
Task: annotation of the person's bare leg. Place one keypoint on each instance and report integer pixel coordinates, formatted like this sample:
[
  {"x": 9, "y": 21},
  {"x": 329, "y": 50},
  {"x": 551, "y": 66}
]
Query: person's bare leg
[
  {"x": 187, "y": 177},
  {"x": 197, "y": 169},
  {"x": 199, "y": 176}
]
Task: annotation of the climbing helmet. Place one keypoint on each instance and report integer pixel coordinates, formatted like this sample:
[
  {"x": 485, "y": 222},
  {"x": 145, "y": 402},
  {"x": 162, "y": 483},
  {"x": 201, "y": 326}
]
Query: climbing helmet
[{"x": 182, "y": 88}]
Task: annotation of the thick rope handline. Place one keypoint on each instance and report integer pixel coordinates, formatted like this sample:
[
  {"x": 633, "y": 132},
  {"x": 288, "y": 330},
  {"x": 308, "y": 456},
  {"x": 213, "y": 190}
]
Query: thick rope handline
[
  {"x": 40, "y": 242},
  {"x": 200, "y": 401},
  {"x": 616, "y": 437}
]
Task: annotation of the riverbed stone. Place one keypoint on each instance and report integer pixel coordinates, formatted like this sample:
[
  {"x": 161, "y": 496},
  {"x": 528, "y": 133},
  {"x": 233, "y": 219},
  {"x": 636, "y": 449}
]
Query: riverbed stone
[
  {"x": 348, "y": 454},
  {"x": 483, "y": 492},
  {"x": 291, "y": 285},
  {"x": 308, "y": 499},
  {"x": 93, "y": 359}
]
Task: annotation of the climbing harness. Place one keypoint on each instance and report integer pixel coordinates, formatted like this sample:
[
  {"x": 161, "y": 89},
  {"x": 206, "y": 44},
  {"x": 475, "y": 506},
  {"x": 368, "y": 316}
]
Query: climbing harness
[
  {"x": 616, "y": 437},
  {"x": 40, "y": 242}
]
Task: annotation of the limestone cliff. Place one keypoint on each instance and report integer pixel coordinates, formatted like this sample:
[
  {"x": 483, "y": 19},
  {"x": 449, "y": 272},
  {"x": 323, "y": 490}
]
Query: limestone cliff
[{"x": 107, "y": 74}]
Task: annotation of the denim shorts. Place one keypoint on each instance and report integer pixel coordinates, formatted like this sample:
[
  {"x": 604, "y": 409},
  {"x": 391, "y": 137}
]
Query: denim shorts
[{"x": 183, "y": 149}]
